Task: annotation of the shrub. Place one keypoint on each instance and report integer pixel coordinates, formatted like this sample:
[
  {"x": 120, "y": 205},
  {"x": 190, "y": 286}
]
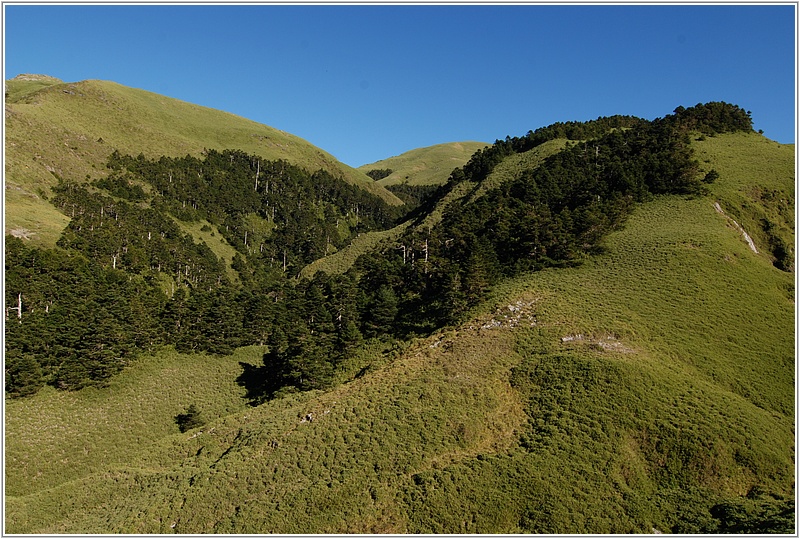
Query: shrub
[
  {"x": 711, "y": 176},
  {"x": 190, "y": 420}
]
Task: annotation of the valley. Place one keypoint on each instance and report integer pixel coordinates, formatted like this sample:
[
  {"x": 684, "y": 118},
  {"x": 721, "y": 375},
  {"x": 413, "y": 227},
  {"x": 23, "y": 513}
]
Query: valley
[{"x": 560, "y": 333}]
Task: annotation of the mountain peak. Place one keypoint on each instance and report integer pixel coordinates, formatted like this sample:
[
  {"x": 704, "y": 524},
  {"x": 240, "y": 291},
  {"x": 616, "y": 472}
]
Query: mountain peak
[{"x": 33, "y": 77}]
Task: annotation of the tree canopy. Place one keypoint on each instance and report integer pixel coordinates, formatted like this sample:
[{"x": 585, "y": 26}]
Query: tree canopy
[{"x": 125, "y": 277}]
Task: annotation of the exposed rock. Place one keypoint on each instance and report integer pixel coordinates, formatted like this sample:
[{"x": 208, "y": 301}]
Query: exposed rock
[
  {"x": 747, "y": 237},
  {"x": 22, "y": 233}
]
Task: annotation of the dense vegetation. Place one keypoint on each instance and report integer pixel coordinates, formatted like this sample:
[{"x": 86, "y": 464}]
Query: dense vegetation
[
  {"x": 615, "y": 393},
  {"x": 550, "y": 216},
  {"x": 379, "y": 173},
  {"x": 127, "y": 278},
  {"x": 413, "y": 195},
  {"x": 137, "y": 275}
]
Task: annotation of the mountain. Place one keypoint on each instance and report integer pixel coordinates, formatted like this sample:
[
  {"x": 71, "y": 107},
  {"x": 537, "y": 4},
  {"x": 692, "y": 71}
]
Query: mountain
[
  {"x": 423, "y": 166},
  {"x": 57, "y": 129},
  {"x": 587, "y": 329}
]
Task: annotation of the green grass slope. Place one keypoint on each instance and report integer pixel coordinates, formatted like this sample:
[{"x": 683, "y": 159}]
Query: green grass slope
[
  {"x": 756, "y": 188},
  {"x": 341, "y": 261},
  {"x": 636, "y": 392},
  {"x": 509, "y": 169},
  {"x": 69, "y": 130},
  {"x": 24, "y": 84},
  {"x": 431, "y": 165}
]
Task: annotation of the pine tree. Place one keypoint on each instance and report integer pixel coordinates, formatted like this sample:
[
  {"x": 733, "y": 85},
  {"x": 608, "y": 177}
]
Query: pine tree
[{"x": 190, "y": 419}]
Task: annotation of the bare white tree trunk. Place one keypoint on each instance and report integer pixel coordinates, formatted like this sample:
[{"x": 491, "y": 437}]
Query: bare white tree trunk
[
  {"x": 18, "y": 308},
  {"x": 403, "y": 247}
]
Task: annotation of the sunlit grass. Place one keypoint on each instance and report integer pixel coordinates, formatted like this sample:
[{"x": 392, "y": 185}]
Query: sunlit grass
[
  {"x": 60, "y": 436},
  {"x": 70, "y": 129},
  {"x": 627, "y": 394},
  {"x": 756, "y": 185},
  {"x": 431, "y": 165}
]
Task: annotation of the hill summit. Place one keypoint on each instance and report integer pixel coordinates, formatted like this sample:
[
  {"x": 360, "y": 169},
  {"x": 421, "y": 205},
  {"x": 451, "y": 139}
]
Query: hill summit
[{"x": 68, "y": 130}]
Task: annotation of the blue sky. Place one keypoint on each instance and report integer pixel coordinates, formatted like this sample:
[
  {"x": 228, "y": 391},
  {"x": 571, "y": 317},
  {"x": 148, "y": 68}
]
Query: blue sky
[{"x": 367, "y": 82}]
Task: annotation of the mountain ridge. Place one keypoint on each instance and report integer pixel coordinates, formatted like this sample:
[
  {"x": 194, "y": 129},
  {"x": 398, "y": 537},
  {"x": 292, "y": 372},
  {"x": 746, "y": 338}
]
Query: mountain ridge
[
  {"x": 463, "y": 376},
  {"x": 76, "y": 127}
]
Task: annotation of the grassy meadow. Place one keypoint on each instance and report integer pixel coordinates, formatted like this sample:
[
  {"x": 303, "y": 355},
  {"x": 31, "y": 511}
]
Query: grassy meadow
[
  {"x": 756, "y": 186},
  {"x": 68, "y": 130},
  {"x": 75, "y": 431},
  {"x": 431, "y": 165},
  {"x": 629, "y": 394}
]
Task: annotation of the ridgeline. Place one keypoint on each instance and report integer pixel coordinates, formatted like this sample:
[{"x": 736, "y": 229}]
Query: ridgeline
[{"x": 565, "y": 333}]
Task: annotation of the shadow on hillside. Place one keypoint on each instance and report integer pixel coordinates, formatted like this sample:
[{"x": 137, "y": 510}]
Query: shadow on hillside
[{"x": 259, "y": 382}]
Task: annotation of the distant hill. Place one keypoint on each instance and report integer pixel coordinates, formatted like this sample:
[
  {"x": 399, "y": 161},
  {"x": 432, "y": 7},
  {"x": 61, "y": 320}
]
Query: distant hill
[
  {"x": 69, "y": 130},
  {"x": 425, "y": 166}
]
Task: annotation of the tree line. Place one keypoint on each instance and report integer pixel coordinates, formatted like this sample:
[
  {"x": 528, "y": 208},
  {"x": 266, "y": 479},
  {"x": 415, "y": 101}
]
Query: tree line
[
  {"x": 550, "y": 216},
  {"x": 126, "y": 278}
]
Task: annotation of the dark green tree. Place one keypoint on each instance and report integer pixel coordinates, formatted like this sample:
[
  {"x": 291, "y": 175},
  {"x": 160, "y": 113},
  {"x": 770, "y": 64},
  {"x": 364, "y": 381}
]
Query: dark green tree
[
  {"x": 190, "y": 419},
  {"x": 381, "y": 312},
  {"x": 23, "y": 374}
]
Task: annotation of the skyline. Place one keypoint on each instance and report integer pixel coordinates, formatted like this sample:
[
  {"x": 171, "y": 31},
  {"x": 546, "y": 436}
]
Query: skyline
[{"x": 368, "y": 82}]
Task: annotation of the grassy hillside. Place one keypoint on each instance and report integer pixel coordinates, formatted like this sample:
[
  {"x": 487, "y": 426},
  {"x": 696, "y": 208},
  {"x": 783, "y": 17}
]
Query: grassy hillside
[
  {"x": 756, "y": 189},
  {"x": 341, "y": 261},
  {"x": 69, "y": 129},
  {"x": 633, "y": 393},
  {"x": 511, "y": 168},
  {"x": 431, "y": 165}
]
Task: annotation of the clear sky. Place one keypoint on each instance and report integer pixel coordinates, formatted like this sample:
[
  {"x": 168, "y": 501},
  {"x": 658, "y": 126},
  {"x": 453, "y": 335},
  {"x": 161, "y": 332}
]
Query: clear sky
[{"x": 367, "y": 82}]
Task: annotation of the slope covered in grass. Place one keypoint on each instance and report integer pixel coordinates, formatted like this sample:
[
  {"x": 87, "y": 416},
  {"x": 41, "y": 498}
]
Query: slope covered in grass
[
  {"x": 70, "y": 129},
  {"x": 509, "y": 169},
  {"x": 756, "y": 189},
  {"x": 431, "y": 165},
  {"x": 341, "y": 261},
  {"x": 658, "y": 384},
  {"x": 60, "y": 436},
  {"x": 651, "y": 387}
]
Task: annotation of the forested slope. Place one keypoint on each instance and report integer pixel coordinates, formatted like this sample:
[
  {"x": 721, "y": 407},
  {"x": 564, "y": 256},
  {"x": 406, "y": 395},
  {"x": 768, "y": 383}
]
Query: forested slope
[
  {"x": 57, "y": 129},
  {"x": 567, "y": 348}
]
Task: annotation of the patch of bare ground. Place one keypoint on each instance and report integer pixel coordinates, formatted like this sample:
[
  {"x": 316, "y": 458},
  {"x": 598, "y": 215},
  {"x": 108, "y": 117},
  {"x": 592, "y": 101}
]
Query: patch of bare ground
[
  {"x": 608, "y": 342},
  {"x": 22, "y": 233},
  {"x": 518, "y": 313}
]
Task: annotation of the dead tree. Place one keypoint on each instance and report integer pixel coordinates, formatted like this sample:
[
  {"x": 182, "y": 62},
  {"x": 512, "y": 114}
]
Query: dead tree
[{"x": 18, "y": 308}]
